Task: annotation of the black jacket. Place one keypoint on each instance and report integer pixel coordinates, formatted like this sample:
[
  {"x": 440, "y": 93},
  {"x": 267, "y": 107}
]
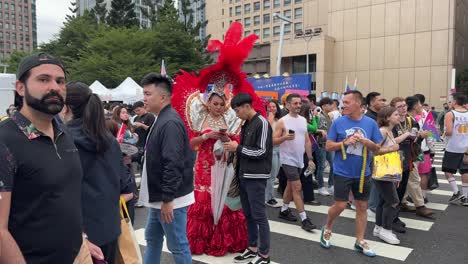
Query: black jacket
[
  {"x": 105, "y": 178},
  {"x": 255, "y": 151},
  {"x": 169, "y": 159}
]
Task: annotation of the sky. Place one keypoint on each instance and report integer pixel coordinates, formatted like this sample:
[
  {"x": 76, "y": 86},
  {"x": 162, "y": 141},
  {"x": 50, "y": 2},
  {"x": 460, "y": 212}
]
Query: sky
[{"x": 50, "y": 17}]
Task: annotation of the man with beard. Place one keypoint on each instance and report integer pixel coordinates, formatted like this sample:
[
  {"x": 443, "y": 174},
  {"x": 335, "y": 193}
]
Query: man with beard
[
  {"x": 40, "y": 175},
  {"x": 293, "y": 139}
]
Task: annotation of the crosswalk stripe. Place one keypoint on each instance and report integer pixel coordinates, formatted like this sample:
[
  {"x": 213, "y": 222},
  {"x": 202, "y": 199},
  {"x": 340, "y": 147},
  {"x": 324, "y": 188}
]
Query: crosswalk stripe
[
  {"x": 347, "y": 213},
  {"x": 228, "y": 258},
  {"x": 434, "y": 206},
  {"x": 342, "y": 241},
  {"x": 338, "y": 240},
  {"x": 441, "y": 173},
  {"x": 442, "y": 192}
]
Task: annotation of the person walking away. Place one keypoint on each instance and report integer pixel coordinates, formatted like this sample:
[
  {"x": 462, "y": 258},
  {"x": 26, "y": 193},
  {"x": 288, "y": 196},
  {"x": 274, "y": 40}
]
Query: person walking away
[{"x": 456, "y": 151}]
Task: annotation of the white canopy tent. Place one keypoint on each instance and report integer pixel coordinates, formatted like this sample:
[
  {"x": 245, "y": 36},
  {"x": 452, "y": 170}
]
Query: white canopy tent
[
  {"x": 99, "y": 89},
  {"x": 128, "y": 91}
]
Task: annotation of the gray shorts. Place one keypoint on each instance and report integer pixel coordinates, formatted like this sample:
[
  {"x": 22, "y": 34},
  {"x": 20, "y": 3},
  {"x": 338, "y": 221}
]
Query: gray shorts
[{"x": 292, "y": 173}]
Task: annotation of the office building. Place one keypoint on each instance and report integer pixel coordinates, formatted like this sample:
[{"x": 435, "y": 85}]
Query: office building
[
  {"x": 396, "y": 47},
  {"x": 18, "y": 26}
]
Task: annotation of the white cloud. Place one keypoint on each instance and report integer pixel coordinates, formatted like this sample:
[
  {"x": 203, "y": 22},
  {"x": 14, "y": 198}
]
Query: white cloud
[{"x": 50, "y": 17}]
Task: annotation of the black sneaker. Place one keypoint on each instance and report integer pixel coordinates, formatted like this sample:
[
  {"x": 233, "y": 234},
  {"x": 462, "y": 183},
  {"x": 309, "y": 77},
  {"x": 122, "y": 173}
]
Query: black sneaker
[
  {"x": 272, "y": 203},
  {"x": 307, "y": 225},
  {"x": 399, "y": 222},
  {"x": 246, "y": 256},
  {"x": 455, "y": 197},
  {"x": 464, "y": 201},
  {"x": 287, "y": 215},
  {"x": 397, "y": 227},
  {"x": 426, "y": 200},
  {"x": 260, "y": 260}
]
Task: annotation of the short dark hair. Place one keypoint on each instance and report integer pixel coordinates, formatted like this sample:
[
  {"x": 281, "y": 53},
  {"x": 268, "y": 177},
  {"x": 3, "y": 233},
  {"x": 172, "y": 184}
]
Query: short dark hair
[
  {"x": 357, "y": 96},
  {"x": 425, "y": 105},
  {"x": 459, "y": 98},
  {"x": 291, "y": 96},
  {"x": 336, "y": 102},
  {"x": 326, "y": 101},
  {"x": 138, "y": 104},
  {"x": 445, "y": 104},
  {"x": 158, "y": 81},
  {"x": 241, "y": 99},
  {"x": 432, "y": 107},
  {"x": 371, "y": 97},
  {"x": 312, "y": 98},
  {"x": 421, "y": 98},
  {"x": 411, "y": 101}
]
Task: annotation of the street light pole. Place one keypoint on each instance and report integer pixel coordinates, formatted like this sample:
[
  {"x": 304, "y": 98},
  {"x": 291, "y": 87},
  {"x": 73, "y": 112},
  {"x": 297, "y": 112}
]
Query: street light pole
[{"x": 284, "y": 21}]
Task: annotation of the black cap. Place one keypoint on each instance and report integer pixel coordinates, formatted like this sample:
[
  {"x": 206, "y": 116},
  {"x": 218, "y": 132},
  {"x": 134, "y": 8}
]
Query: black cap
[{"x": 35, "y": 60}]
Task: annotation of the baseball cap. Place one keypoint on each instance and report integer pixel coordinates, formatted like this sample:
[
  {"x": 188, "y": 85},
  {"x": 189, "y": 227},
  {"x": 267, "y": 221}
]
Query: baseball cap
[{"x": 35, "y": 60}]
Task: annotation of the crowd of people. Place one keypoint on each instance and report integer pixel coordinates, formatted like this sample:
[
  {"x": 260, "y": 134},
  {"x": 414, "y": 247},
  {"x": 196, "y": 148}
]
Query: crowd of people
[{"x": 64, "y": 170}]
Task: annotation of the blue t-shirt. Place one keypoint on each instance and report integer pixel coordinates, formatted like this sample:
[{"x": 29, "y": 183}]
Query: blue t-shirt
[{"x": 344, "y": 127}]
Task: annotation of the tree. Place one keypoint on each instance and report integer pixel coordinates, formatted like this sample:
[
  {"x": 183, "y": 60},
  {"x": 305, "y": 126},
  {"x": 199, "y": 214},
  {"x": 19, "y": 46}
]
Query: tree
[
  {"x": 74, "y": 9},
  {"x": 122, "y": 14},
  {"x": 462, "y": 82},
  {"x": 179, "y": 48},
  {"x": 73, "y": 37},
  {"x": 186, "y": 14},
  {"x": 114, "y": 55},
  {"x": 150, "y": 11},
  {"x": 100, "y": 11},
  {"x": 14, "y": 60}
]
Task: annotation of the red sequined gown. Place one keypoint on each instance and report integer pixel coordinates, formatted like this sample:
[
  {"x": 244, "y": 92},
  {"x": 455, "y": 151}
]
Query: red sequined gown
[{"x": 230, "y": 235}]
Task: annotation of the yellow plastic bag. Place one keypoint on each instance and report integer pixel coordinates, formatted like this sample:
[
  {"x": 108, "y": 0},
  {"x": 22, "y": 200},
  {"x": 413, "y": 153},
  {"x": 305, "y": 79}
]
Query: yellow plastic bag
[{"x": 387, "y": 167}]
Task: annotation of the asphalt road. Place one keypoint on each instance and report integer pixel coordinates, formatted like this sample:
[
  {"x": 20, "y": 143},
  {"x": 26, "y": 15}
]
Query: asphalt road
[{"x": 442, "y": 240}]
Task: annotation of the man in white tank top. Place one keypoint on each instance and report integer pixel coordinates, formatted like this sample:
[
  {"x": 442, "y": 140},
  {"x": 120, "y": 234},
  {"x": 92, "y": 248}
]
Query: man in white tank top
[
  {"x": 291, "y": 134},
  {"x": 456, "y": 151}
]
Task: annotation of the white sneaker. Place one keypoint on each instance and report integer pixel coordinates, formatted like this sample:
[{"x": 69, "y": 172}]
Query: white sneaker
[
  {"x": 323, "y": 191},
  {"x": 376, "y": 231},
  {"x": 388, "y": 236},
  {"x": 370, "y": 213},
  {"x": 331, "y": 190},
  {"x": 353, "y": 207}
]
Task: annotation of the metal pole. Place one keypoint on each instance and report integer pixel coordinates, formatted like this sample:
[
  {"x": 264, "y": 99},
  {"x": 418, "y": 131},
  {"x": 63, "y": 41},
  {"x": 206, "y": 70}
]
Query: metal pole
[
  {"x": 280, "y": 47},
  {"x": 307, "y": 57}
]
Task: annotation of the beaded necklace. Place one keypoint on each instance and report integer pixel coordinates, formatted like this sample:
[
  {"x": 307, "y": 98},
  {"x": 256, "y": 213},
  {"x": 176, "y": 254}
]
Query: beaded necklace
[{"x": 215, "y": 124}]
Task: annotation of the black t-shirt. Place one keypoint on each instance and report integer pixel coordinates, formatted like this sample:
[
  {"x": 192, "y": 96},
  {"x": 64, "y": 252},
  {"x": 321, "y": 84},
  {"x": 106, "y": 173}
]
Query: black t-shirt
[
  {"x": 408, "y": 143},
  {"x": 147, "y": 119},
  {"x": 44, "y": 178}
]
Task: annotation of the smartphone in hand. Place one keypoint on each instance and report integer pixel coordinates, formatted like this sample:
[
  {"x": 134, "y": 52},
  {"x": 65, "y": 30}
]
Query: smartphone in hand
[{"x": 290, "y": 131}]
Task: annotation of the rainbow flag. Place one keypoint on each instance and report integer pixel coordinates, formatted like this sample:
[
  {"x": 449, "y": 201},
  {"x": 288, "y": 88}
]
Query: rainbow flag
[
  {"x": 347, "y": 88},
  {"x": 429, "y": 125}
]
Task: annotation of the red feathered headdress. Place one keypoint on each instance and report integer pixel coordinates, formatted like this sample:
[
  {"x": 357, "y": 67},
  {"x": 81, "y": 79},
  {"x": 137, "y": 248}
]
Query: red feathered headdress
[{"x": 227, "y": 70}]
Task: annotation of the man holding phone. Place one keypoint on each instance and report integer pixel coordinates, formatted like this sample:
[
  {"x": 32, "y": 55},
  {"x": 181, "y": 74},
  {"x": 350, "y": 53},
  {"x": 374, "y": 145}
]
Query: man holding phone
[{"x": 292, "y": 136}]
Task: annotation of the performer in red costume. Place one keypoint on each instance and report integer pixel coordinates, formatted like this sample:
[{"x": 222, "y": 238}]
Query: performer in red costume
[{"x": 209, "y": 118}]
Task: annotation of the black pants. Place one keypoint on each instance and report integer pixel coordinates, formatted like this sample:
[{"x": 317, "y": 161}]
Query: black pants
[
  {"x": 307, "y": 183},
  {"x": 386, "y": 212},
  {"x": 109, "y": 250},
  {"x": 252, "y": 196},
  {"x": 403, "y": 183}
]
